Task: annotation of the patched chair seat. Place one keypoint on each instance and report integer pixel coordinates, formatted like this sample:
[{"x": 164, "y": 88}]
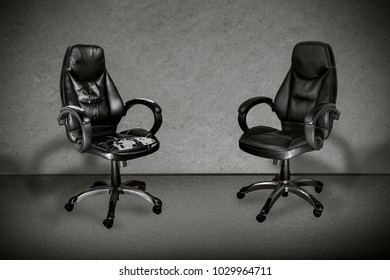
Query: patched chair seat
[{"x": 125, "y": 145}]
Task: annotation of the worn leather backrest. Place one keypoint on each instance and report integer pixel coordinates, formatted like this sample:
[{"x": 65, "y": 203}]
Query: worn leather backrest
[
  {"x": 86, "y": 83},
  {"x": 311, "y": 80}
]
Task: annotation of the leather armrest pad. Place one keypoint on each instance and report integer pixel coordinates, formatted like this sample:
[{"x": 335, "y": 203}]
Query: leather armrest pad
[
  {"x": 315, "y": 141},
  {"x": 156, "y": 109},
  {"x": 318, "y": 110},
  {"x": 85, "y": 124},
  {"x": 248, "y": 104},
  {"x": 143, "y": 101},
  {"x": 74, "y": 110}
]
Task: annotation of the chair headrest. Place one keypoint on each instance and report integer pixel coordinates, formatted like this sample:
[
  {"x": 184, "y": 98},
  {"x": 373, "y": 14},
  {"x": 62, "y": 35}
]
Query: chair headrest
[
  {"x": 311, "y": 59},
  {"x": 85, "y": 62}
]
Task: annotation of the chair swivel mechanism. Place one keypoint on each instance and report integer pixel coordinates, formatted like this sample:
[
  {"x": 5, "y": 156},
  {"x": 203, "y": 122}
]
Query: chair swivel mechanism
[
  {"x": 305, "y": 106},
  {"x": 91, "y": 111}
]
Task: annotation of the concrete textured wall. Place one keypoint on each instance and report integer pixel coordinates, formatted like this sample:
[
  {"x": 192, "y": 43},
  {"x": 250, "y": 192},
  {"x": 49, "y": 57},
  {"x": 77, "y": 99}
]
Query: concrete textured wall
[{"x": 199, "y": 60}]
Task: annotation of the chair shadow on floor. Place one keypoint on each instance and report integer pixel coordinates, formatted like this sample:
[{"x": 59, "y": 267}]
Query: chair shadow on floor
[{"x": 377, "y": 156}]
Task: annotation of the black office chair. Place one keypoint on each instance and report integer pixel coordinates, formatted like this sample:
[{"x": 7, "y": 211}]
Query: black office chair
[
  {"x": 305, "y": 105},
  {"x": 92, "y": 109}
]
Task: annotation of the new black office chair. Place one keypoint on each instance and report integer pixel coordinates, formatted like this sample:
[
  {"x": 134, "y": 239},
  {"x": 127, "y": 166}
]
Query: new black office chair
[
  {"x": 92, "y": 109},
  {"x": 305, "y": 105}
]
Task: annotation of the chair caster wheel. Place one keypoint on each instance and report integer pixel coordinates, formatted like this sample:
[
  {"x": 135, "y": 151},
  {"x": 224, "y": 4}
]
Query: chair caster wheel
[
  {"x": 317, "y": 212},
  {"x": 69, "y": 207},
  {"x": 261, "y": 218},
  {"x": 108, "y": 223},
  {"x": 319, "y": 183},
  {"x": 285, "y": 194},
  {"x": 318, "y": 189},
  {"x": 240, "y": 195},
  {"x": 157, "y": 209}
]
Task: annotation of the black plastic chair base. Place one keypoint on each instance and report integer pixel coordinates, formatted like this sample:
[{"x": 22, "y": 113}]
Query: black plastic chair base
[
  {"x": 282, "y": 186},
  {"x": 132, "y": 187}
]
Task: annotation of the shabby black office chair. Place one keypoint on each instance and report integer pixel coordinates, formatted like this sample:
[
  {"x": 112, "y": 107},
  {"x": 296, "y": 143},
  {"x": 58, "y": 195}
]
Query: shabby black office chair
[
  {"x": 92, "y": 109},
  {"x": 305, "y": 105}
]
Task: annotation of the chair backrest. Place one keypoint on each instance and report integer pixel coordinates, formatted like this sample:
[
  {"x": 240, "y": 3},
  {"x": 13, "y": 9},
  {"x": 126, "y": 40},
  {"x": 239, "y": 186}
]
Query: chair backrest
[
  {"x": 310, "y": 81},
  {"x": 86, "y": 83}
]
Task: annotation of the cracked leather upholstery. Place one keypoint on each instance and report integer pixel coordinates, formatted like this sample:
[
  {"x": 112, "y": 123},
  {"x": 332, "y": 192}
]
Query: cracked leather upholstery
[
  {"x": 85, "y": 83},
  {"x": 125, "y": 145}
]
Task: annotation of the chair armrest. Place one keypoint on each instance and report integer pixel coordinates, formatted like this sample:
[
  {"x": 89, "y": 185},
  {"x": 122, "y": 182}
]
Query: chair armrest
[
  {"x": 249, "y": 104},
  {"x": 85, "y": 124},
  {"x": 156, "y": 109},
  {"x": 314, "y": 141}
]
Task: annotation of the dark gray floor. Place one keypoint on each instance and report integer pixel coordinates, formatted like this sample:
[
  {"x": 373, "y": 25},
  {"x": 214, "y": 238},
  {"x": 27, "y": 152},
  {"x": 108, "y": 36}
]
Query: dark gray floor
[{"x": 201, "y": 219}]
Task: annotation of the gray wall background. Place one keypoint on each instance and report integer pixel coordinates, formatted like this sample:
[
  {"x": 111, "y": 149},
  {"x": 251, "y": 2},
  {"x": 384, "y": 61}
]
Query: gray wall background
[{"x": 199, "y": 60}]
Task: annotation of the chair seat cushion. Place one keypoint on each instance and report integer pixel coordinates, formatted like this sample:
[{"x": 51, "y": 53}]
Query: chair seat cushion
[
  {"x": 273, "y": 143},
  {"x": 125, "y": 145}
]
